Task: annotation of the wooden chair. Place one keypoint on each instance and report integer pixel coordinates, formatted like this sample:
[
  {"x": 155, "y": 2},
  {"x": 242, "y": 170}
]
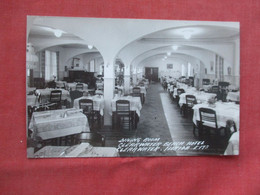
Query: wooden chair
[
  {"x": 55, "y": 97},
  {"x": 79, "y": 86},
  {"x": 74, "y": 95},
  {"x": 87, "y": 106},
  {"x": 205, "y": 81},
  {"x": 93, "y": 138},
  {"x": 215, "y": 89},
  {"x": 190, "y": 101},
  {"x": 123, "y": 114},
  {"x": 137, "y": 93},
  {"x": 223, "y": 90},
  {"x": 179, "y": 92},
  {"x": 208, "y": 121}
]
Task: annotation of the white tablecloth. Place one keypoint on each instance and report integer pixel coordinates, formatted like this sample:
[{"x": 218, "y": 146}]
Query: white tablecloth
[
  {"x": 143, "y": 90},
  {"x": 201, "y": 97},
  {"x": 61, "y": 84},
  {"x": 31, "y": 100},
  {"x": 60, "y": 151},
  {"x": 233, "y": 145},
  {"x": 206, "y": 87},
  {"x": 135, "y": 104},
  {"x": 72, "y": 86},
  {"x": 224, "y": 112},
  {"x": 58, "y": 123},
  {"x": 98, "y": 103},
  {"x": 186, "y": 88},
  {"x": 233, "y": 96},
  {"x": 45, "y": 94}
]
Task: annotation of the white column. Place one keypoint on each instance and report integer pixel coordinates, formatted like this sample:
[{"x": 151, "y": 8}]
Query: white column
[
  {"x": 109, "y": 85},
  {"x": 127, "y": 78},
  {"x": 134, "y": 76}
]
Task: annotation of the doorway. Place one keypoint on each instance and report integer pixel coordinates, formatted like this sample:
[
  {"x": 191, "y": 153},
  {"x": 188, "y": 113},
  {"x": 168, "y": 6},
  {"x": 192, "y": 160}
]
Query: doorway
[{"x": 151, "y": 73}]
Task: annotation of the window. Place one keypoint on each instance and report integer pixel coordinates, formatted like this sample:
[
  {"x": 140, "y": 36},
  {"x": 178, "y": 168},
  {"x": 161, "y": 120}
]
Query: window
[{"x": 51, "y": 65}]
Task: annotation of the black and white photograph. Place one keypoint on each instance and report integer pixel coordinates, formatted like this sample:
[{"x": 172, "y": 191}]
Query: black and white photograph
[{"x": 108, "y": 87}]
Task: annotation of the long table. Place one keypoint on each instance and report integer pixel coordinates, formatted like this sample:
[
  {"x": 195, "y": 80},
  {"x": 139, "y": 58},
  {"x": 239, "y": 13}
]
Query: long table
[
  {"x": 58, "y": 123},
  {"x": 201, "y": 97}
]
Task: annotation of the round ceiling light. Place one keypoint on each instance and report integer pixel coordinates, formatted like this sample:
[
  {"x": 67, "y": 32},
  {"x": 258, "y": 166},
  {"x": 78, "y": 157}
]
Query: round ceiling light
[
  {"x": 58, "y": 33},
  {"x": 90, "y": 46}
]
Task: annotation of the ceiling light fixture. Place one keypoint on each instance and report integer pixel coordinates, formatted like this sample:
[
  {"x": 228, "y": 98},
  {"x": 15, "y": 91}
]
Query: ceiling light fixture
[
  {"x": 187, "y": 34},
  {"x": 175, "y": 47},
  {"x": 90, "y": 46},
  {"x": 58, "y": 33},
  {"x": 169, "y": 53}
]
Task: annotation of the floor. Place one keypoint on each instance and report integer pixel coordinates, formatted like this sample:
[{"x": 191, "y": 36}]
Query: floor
[{"x": 162, "y": 123}]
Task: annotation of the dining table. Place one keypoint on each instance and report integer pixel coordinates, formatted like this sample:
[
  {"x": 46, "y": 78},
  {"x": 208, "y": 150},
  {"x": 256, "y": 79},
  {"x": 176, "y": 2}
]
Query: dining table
[
  {"x": 142, "y": 90},
  {"x": 98, "y": 103},
  {"x": 72, "y": 86},
  {"x": 233, "y": 96},
  {"x": 58, "y": 123},
  {"x": 44, "y": 94},
  {"x": 32, "y": 100},
  {"x": 233, "y": 145},
  {"x": 224, "y": 111},
  {"x": 207, "y": 87},
  {"x": 200, "y": 96},
  {"x": 135, "y": 103},
  {"x": 187, "y": 89},
  {"x": 61, "y": 84},
  {"x": 67, "y": 151}
]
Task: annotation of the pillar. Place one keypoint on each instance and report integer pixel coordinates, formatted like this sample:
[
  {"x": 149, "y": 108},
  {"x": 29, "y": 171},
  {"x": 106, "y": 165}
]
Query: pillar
[
  {"x": 109, "y": 85},
  {"x": 127, "y": 78}
]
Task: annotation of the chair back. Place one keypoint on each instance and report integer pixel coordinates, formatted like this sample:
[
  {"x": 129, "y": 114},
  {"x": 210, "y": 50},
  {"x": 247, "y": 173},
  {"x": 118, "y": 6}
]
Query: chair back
[
  {"x": 86, "y": 105},
  {"x": 190, "y": 100},
  {"x": 122, "y": 106},
  {"x": 215, "y": 89},
  {"x": 136, "y": 90},
  {"x": 141, "y": 84},
  {"x": 75, "y": 94},
  {"x": 79, "y": 86},
  {"x": 205, "y": 81},
  {"x": 55, "y": 96},
  {"x": 180, "y": 91},
  {"x": 93, "y": 138},
  {"x": 208, "y": 117}
]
